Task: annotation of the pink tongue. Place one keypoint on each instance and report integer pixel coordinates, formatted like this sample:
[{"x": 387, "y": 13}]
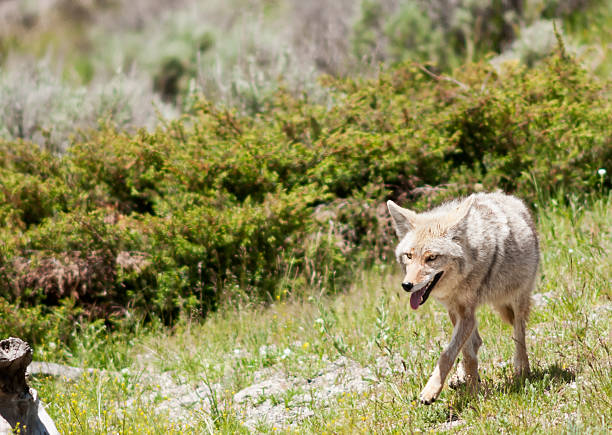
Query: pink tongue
[{"x": 415, "y": 299}]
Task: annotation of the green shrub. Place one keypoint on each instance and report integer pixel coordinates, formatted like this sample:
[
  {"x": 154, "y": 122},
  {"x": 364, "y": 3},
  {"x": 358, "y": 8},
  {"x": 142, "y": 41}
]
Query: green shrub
[
  {"x": 38, "y": 325},
  {"x": 217, "y": 204}
]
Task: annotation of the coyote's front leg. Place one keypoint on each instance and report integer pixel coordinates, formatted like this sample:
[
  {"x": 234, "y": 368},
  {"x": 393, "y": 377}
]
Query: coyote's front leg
[{"x": 463, "y": 329}]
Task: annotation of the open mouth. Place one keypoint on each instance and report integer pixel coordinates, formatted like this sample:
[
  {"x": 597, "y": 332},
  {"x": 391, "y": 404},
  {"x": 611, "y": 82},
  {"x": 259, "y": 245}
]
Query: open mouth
[{"x": 419, "y": 297}]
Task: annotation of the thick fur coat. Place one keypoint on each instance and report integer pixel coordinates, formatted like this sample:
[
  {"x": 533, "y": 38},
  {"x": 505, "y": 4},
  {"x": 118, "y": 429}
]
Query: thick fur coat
[{"x": 482, "y": 249}]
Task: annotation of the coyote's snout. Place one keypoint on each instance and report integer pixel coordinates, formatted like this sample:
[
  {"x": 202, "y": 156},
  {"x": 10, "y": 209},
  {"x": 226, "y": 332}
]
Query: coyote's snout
[
  {"x": 421, "y": 291},
  {"x": 483, "y": 249}
]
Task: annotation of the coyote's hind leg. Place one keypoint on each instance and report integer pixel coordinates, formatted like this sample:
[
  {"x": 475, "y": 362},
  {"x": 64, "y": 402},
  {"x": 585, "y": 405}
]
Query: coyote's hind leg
[
  {"x": 516, "y": 314},
  {"x": 521, "y": 312}
]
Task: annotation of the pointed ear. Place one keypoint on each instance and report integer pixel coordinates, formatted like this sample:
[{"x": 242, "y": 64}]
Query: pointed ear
[
  {"x": 404, "y": 220},
  {"x": 456, "y": 216}
]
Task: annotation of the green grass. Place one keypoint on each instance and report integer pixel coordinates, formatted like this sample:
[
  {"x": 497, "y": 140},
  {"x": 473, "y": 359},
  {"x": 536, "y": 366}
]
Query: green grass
[{"x": 569, "y": 390}]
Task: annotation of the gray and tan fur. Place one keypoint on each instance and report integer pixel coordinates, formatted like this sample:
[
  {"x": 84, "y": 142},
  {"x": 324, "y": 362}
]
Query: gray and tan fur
[{"x": 482, "y": 249}]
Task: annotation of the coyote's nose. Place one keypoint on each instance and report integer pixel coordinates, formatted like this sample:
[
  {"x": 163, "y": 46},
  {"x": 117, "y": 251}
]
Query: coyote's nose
[{"x": 407, "y": 286}]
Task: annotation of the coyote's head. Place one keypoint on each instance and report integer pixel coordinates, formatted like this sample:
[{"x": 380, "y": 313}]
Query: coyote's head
[{"x": 431, "y": 248}]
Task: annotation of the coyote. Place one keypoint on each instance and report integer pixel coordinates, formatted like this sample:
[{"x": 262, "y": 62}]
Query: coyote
[{"x": 482, "y": 249}]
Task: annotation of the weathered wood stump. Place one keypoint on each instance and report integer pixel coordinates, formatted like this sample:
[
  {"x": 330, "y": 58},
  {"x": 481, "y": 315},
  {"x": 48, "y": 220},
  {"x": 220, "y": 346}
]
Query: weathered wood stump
[{"x": 19, "y": 404}]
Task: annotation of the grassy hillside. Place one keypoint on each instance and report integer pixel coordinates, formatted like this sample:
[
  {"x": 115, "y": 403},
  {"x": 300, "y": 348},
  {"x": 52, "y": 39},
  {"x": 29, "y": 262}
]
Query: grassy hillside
[{"x": 389, "y": 350}]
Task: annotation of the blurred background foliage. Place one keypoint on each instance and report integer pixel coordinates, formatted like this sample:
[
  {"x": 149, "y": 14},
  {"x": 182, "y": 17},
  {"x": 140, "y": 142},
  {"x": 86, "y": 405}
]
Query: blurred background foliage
[
  {"x": 168, "y": 159},
  {"x": 67, "y": 62}
]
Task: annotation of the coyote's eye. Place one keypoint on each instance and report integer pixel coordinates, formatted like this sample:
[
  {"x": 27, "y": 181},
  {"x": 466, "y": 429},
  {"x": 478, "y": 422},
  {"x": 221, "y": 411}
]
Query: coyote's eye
[{"x": 431, "y": 257}]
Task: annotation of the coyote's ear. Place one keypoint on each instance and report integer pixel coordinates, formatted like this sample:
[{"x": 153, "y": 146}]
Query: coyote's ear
[
  {"x": 456, "y": 216},
  {"x": 402, "y": 218}
]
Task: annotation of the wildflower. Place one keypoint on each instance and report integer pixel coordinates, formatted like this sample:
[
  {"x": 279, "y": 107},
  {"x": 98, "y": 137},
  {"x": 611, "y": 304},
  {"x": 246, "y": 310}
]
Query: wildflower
[
  {"x": 286, "y": 353},
  {"x": 320, "y": 324},
  {"x": 601, "y": 172}
]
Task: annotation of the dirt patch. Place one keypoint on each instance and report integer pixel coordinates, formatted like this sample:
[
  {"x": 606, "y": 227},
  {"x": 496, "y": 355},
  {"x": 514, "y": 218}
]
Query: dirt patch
[
  {"x": 282, "y": 401},
  {"x": 275, "y": 399}
]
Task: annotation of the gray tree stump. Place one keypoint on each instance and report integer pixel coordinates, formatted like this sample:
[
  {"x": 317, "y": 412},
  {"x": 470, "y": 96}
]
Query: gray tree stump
[{"x": 19, "y": 404}]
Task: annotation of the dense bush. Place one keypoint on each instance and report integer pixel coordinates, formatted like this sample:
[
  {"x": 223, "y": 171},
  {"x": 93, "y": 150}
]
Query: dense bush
[{"x": 218, "y": 205}]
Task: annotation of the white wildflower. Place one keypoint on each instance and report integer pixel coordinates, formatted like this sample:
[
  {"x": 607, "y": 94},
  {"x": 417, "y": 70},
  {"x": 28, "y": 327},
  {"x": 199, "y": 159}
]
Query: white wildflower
[{"x": 286, "y": 353}]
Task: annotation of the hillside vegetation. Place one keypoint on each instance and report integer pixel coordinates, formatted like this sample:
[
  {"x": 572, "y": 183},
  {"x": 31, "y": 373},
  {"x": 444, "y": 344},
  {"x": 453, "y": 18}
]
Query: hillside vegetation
[
  {"x": 218, "y": 206},
  {"x": 66, "y": 63}
]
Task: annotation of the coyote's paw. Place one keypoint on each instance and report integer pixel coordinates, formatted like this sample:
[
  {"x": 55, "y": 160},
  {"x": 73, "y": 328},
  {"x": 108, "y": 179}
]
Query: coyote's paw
[
  {"x": 456, "y": 381},
  {"x": 430, "y": 392},
  {"x": 460, "y": 379}
]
